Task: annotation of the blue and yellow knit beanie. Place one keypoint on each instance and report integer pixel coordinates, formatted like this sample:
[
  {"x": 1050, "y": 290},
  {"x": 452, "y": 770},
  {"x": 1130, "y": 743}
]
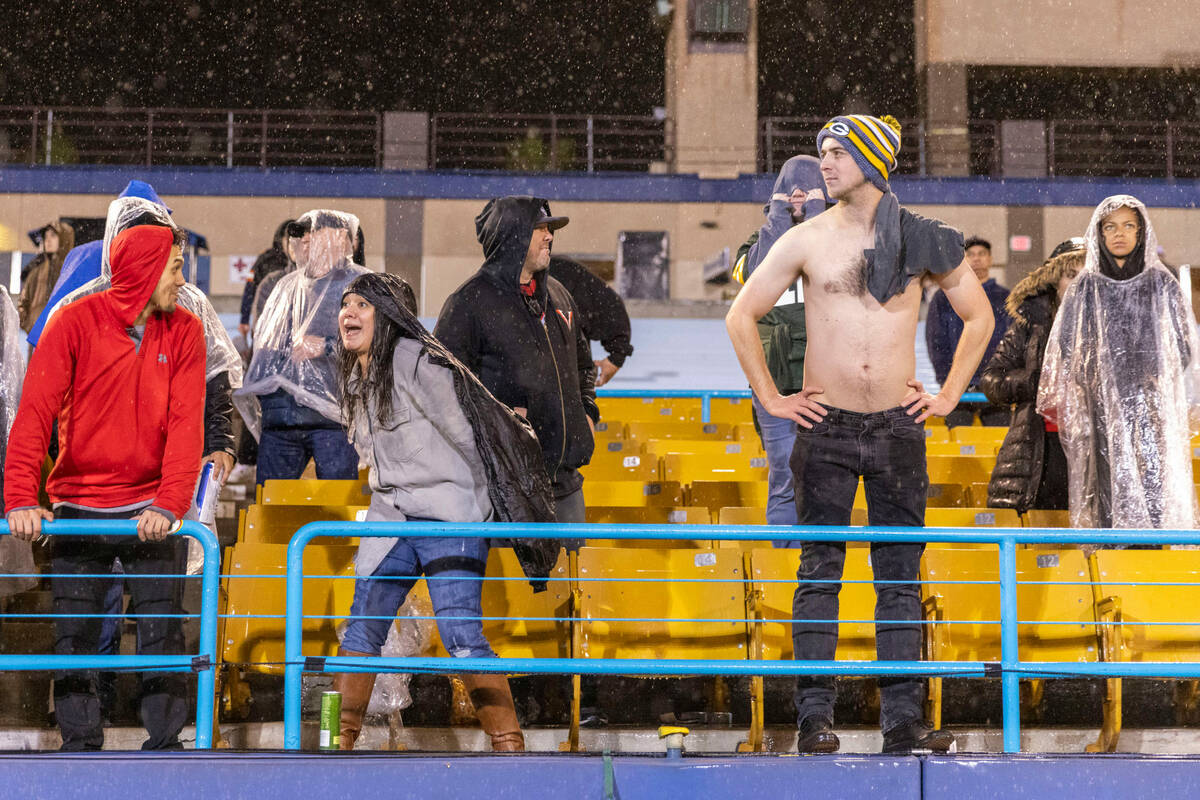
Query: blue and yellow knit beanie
[{"x": 871, "y": 141}]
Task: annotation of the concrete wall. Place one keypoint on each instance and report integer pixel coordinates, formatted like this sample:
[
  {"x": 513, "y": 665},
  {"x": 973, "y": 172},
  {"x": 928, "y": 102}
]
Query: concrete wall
[{"x": 1097, "y": 33}]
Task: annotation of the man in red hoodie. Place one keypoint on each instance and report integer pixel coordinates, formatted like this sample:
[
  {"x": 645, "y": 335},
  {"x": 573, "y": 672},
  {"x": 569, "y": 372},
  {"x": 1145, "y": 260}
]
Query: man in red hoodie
[{"x": 123, "y": 373}]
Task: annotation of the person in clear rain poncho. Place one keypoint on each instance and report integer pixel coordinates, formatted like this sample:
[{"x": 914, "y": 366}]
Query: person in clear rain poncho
[
  {"x": 16, "y": 556},
  {"x": 1121, "y": 379},
  {"x": 293, "y": 374}
]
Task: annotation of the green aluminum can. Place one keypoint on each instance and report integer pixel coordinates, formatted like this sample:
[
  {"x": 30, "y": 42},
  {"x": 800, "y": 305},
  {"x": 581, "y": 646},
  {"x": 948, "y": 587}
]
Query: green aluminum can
[{"x": 331, "y": 720}]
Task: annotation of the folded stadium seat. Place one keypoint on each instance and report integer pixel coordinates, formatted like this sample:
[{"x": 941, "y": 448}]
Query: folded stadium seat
[
  {"x": 691, "y": 467},
  {"x": 313, "y": 492},
  {"x": 632, "y": 493},
  {"x": 521, "y": 623},
  {"x": 680, "y": 430},
  {"x": 1145, "y": 619},
  {"x": 635, "y": 409},
  {"x": 730, "y": 409},
  {"x": 691, "y": 605},
  {"x": 276, "y": 524},
  {"x": 662, "y": 447},
  {"x": 772, "y": 585},
  {"x": 626, "y": 446},
  {"x": 976, "y": 494},
  {"x": 648, "y": 515},
  {"x": 609, "y": 429},
  {"x": 1047, "y": 518},
  {"x": 961, "y": 596},
  {"x": 978, "y": 434},
  {"x": 621, "y": 466},
  {"x": 938, "y": 495},
  {"x": 717, "y": 494},
  {"x": 939, "y": 433},
  {"x": 960, "y": 469},
  {"x": 961, "y": 448},
  {"x": 972, "y": 518},
  {"x": 742, "y": 515}
]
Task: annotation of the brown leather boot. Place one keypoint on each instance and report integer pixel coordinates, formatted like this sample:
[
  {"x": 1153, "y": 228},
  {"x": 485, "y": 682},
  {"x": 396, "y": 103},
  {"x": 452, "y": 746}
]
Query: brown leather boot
[
  {"x": 494, "y": 706},
  {"x": 356, "y": 694}
]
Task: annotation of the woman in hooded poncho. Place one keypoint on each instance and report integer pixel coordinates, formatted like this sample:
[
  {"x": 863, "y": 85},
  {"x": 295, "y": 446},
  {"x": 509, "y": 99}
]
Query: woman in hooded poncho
[
  {"x": 1121, "y": 379},
  {"x": 439, "y": 448}
]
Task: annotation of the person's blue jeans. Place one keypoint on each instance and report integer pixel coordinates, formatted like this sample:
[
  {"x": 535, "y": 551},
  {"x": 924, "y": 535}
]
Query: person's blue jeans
[
  {"x": 778, "y": 438},
  {"x": 887, "y": 449},
  {"x": 452, "y": 567},
  {"x": 284, "y": 452}
]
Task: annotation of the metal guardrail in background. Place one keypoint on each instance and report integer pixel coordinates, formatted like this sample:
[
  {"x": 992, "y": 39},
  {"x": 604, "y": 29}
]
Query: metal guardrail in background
[
  {"x": 191, "y": 137},
  {"x": 706, "y": 396},
  {"x": 548, "y": 142},
  {"x": 203, "y": 662},
  {"x": 1010, "y": 668}
]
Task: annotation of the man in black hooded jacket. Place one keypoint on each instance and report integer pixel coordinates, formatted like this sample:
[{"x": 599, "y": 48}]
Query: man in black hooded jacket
[{"x": 519, "y": 330}]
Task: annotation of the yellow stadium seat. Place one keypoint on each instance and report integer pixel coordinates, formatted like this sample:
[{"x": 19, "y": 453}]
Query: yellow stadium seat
[
  {"x": 1047, "y": 518},
  {"x": 680, "y": 430},
  {"x": 698, "y": 613},
  {"x": 520, "y": 623},
  {"x": 936, "y": 434},
  {"x": 979, "y": 434},
  {"x": 745, "y": 431},
  {"x": 961, "y": 448},
  {"x": 634, "y": 409},
  {"x": 945, "y": 495},
  {"x": 730, "y": 409},
  {"x": 691, "y": 467},
  {"x": 1142, "y": 618},
  {"x": 960, "y": 469},
  {"x": 662, "y": 447},
  {"x": 621, "y": 466},
  {"x": 632, "y": 493},
  {"x": 961, "y": 595},
  {"x": 276, "y": 524},
  {"x": 312, "y": 492},
  {"x": 648, "y": 515},
  {"x": 717, "y": 494},
  {"x": 742, "y": 515},
  {"x": 609, "y": 429},
  {"x": 976, "y": 494},
  {"x": 972, "y": 518},
  {"x": 629, "y": 447},
  {"x": 772, "y": 585}
]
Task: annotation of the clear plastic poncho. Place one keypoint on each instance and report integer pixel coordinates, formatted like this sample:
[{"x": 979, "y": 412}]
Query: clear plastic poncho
[
  {"x": 1121, "y": 380},
  {"x": 296, "y": 334},
  {"x": 220, "y": 355},
  {"x": 16, "y": 557}
]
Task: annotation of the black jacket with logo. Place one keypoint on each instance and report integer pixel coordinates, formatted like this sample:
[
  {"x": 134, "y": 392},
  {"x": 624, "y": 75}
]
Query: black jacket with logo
[{"x": 530, "y": 352}]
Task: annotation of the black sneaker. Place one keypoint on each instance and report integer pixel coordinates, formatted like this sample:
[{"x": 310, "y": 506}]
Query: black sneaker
[
  {"x": 917, "y": 735},
  {"x": 816, "y": 736}
]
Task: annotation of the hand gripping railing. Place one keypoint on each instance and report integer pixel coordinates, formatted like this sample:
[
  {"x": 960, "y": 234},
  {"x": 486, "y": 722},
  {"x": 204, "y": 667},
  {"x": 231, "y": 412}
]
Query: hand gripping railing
[
  {"x": 1010, "y": 668},
  {"x": 203, "y": 663},
  {"x": 706, "y": 396}
]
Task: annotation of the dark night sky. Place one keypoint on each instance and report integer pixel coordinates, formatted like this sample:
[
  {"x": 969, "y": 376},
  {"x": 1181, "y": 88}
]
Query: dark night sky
[{"x": 815, "y": 56}]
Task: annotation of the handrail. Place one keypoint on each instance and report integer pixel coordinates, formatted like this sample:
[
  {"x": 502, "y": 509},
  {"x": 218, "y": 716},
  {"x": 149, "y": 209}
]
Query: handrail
[
  {"x": 706, "y": 396},
  {"x": 204, "y": 662},
  {"x": 1010, "y": 669}
]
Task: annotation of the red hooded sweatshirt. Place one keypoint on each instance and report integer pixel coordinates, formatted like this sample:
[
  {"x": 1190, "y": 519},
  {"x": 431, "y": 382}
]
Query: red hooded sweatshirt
[{"x": 130, "y": 419}]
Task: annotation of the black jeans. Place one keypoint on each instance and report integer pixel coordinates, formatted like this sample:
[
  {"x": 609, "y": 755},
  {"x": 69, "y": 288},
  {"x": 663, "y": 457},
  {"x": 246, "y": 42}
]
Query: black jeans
[
  {"x": 887, "y": 449},
  {"x": 164, "y": 703}
]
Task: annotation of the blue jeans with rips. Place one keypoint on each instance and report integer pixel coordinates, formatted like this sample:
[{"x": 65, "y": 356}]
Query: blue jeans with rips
[
  {"x": 887, "y": 449},
  {"x": 452, "y": 567}
]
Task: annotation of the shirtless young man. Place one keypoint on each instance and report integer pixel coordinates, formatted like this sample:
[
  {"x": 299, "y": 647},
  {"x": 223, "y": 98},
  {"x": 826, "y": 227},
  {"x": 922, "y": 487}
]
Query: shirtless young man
[{"x": 861, "y": 412}]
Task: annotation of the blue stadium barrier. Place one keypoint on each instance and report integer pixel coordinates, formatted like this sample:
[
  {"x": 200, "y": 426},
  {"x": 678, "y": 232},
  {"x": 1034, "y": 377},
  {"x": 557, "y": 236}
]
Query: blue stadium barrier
[
  {"x": 706, "y": 396},
  {"x": 1010, "y": 668},
  {"x": 203, "y": 662}
]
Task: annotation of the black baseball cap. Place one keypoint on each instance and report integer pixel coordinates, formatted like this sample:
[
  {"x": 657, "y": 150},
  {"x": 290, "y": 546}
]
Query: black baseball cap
[
  {"x": 1069, "y": 246},
  {"x": 546, "y": 218}
]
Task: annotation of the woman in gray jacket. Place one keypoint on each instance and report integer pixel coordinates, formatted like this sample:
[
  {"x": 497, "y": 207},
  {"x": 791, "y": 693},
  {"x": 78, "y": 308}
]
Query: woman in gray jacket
[{"x": 414, "y": 420}]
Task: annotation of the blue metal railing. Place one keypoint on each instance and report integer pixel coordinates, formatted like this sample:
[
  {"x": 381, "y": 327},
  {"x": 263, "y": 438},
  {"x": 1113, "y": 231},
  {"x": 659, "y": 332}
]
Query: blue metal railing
[
  {"x": 706, "y": 396},
  {"x": 203, "y": 662},
  {"x": 1011, "y": 669}
]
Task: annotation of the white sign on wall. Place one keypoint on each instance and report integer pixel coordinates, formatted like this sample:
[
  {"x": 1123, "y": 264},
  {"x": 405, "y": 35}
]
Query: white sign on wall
[{"x": 239, "y": 269}]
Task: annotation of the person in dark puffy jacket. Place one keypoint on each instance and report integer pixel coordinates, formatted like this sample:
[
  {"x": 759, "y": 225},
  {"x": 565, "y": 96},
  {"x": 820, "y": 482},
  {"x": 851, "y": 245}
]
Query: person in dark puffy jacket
[{"x": 1031, "y": 468}]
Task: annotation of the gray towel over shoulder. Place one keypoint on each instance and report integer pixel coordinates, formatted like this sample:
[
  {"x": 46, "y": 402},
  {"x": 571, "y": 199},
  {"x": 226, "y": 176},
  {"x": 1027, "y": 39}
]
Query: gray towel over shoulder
[{"x": 906, "y": 245}]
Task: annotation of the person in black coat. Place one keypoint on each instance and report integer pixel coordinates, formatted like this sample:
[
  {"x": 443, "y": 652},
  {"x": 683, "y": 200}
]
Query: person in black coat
[
  {"x": 273, "y": 259},
  {"x": 519, "y": 331},
  {"x": 602, "y": 314},
  {"x": 1031, "y": 468}
]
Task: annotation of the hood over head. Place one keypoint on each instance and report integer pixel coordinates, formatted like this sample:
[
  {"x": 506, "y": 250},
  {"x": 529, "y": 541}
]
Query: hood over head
[
  {"x": 392, "y": 296},
  {"x": 505, "y": 228},
  {"x": 144, "y": 191},
  {"x": 324, "y": 253},
  {"x": 139, "y": 256},
  {"x": 1144, "y": 255},
  {"x": 125, "y": 213},
  {"x": 803, "y": 173}
]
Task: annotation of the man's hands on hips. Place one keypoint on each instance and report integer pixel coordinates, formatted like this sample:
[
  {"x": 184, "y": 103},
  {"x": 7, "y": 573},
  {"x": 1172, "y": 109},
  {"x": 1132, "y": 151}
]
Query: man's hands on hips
[
  {"x": 929, "y": 405},
  {"x": 222, "y": 464},
  {"x": 153, "y": 526},
  {"x": 26, "y": 523},
  {"x": 799, "y": 407},
  {"x": 605, "y": 370}
]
